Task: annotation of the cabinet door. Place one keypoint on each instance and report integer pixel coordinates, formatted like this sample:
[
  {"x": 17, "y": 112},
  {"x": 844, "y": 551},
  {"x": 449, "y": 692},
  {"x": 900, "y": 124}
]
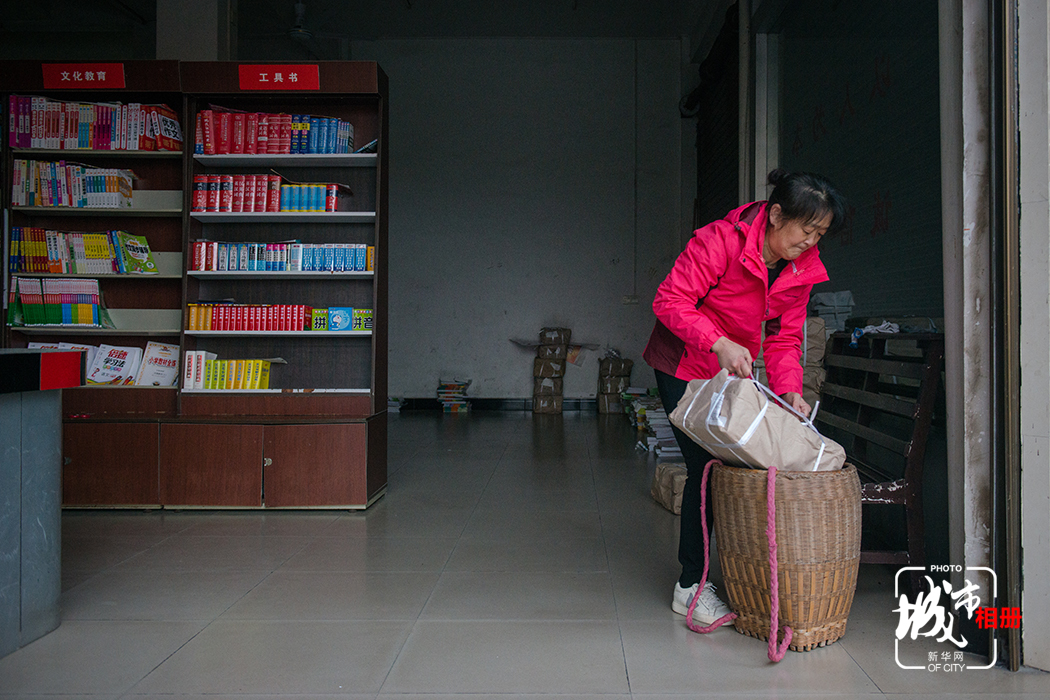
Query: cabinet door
[
  {"x": 110, "y": 464},
  {"x": 211, "y": 465},
  {"x": 316, "y": 465}
]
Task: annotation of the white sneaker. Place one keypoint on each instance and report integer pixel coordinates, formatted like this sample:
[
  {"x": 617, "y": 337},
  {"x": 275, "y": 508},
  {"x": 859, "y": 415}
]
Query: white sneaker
[{"x": 708, "y": 609}]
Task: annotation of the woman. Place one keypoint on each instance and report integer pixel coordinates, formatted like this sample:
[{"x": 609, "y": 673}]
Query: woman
[{"x": 757, "y": 266}]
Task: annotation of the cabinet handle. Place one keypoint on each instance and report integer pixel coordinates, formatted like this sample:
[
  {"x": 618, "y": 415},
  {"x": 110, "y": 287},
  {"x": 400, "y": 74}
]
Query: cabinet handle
[
  {"x": 67, "y": 460},
  {"x": 267, "y": 461}
]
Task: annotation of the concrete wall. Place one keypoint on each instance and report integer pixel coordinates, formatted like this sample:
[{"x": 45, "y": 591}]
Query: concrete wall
[
  {"x": 533, "y": 182},
  {"x": 1034, "y": 68}
]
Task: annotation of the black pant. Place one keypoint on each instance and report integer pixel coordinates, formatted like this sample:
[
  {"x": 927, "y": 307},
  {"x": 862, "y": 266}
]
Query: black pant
[{"x": 691, "y": 541}]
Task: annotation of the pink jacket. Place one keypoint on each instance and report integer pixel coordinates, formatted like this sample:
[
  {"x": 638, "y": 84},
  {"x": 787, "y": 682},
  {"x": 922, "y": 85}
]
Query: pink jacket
[{"x": 719, "y": 287}]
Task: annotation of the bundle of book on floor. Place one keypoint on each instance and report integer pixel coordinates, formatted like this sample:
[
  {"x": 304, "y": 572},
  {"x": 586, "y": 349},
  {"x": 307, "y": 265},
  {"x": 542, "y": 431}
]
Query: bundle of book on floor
[
  {"x": 118, "y": 365},
  {"x": 37, "y": 183},
  {"x": 247, "y": 194},
  {"x": 453, "y": 396},
  {"x": 221, "y": 131},
  {"x": 41, "y": 122},
  {"x": 204, "y": 371},
  {"x": 277, "y": 317},
  {"x": 39, "y": 250},
  {"x": 284, "y": 256},
  {"x": 55, "y": 301}
]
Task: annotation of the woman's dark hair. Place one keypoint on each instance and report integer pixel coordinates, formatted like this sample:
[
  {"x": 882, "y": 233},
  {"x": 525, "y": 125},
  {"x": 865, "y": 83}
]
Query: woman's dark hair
[{"x": 807, "y": 197}]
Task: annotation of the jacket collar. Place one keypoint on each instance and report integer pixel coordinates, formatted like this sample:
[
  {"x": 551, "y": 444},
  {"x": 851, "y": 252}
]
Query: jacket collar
[{"x": 805, "y": 269}]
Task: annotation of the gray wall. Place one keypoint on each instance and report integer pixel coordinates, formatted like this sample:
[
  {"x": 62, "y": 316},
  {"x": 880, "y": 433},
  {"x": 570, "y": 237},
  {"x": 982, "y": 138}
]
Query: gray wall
[
  {"x": 859, "y": 103},
  {"x": 533, "y": 182}
]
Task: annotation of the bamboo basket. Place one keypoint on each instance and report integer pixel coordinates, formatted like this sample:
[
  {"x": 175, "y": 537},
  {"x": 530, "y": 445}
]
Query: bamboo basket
[{"x": 818, "y": 543}]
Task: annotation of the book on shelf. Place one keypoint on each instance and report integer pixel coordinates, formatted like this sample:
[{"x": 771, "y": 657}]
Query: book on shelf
[
  {"x": 42, "y": 122},
  {"x": 38, "y": 250},
  {"x": 286, "y": 256},
  {"x": 55, "y": 302},
  {"x": 212, "y": 374},
  {"x": 37, "y": 183},
  {"x": 223, "y": 131},
  {"x": 248, "y": 194},
  {"x": 159, "y": 366},
  {"x": 115, "y": 364}
]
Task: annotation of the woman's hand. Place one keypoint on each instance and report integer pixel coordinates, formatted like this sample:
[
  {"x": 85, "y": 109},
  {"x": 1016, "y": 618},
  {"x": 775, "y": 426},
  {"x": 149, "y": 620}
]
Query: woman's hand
[
  {"x": 733, "y": 357},
  {"x": 797, "y": 402}
]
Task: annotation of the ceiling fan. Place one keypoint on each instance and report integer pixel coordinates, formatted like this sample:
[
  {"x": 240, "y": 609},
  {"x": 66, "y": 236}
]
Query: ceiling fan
[{"x": 301, "y": 34}]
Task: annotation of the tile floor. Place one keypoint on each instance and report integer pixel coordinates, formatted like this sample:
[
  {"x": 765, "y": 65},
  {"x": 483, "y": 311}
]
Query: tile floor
[{"x": 513, "y": 555}]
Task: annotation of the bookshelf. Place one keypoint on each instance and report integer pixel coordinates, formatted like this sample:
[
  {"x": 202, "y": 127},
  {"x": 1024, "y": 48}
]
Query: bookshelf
[
  {"x": 321, "y": 425},
  {"x": 101, "y": 422},
  {"x": 317, "y": 437}
]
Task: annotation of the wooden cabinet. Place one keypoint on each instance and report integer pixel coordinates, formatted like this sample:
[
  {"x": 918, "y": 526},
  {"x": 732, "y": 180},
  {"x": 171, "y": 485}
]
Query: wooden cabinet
[
  {"x": 110, "y": 464},
  {"x": 211, "y": 465}
]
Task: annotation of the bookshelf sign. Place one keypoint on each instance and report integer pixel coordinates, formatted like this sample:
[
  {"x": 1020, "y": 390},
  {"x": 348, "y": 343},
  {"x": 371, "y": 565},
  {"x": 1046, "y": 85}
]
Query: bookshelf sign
[
  {"x": 279, "y": 77},
  {"x": 83, "y": 76}
]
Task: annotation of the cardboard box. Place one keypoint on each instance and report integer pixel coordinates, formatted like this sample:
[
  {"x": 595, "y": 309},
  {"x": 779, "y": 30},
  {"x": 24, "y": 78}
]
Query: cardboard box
[
  {"x": 614, "y": 367},
  {"x": 552, "y": 352},
  {"x": 547, "y": 386},
  {"x": 812, "y": 384},
  {"x": 546, "y": 404},
  {"x": 555, "y": 336},
  {"x": 613, "y": 385},
  {"x": 610, "y": 403},
  {"x": 668, "y": 484},
  {"x": 548, "y": 368}
]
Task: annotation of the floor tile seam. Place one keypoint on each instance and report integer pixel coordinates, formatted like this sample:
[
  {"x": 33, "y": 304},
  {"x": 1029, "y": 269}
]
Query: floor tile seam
[{"x": 867, "y": 675}]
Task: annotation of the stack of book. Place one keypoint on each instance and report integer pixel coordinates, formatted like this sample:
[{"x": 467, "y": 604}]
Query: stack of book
[
  {"x": 453, "y": 396},
  {"x": 38, "y": 250},
  {"x": 120, "y": 365},
  {"x": 40, "y": 122},
  {"x": 220, "y": 131},
  {"x": 54, "y": 302},
  {"x": 37, "y": 183}
]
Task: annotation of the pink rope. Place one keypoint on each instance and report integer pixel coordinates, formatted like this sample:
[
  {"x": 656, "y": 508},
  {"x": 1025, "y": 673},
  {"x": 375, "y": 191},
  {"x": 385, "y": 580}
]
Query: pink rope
[
  {"x": 707, "y": 555},
  {"x": 775, "y": 653}
]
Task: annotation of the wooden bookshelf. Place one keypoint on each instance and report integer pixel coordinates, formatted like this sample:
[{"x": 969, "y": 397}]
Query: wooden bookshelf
[{"x": 317, "y": 437}]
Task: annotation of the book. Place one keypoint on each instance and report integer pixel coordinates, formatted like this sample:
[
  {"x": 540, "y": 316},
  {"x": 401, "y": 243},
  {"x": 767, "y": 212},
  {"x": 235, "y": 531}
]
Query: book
[
  {"x": 137, "y": 257},
  {"x": 114, "y": 364},
  {"x": 159, "y": 366}
]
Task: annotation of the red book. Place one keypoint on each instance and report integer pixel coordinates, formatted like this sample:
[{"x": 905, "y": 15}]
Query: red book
[
  {"x": 249, "y": 193},
  {"x": 198, "y": 135},
  {"x": 262, "y": 134},
  {"x": 273, "y": 134},
  {"x": 285, "y": 133},
  {"x": 237, "y": 137},
  {"x": 200, "y": 193},
  {"x": 211, "y": 256},
  {"x": 213, "y": 193},
  {"x": 208, "y": 129},
  {"x": 251, "y": 129},
  {"x": 222, "y": 137},
  {"x": 198, "y": 255},
  {"x": 226, "y": 193},
  {"x": 243, "y": 317},
  {"x": 262, "y": 186},
  {"x": 238, "y": 193},
  {"x": 273, "y": 193}
]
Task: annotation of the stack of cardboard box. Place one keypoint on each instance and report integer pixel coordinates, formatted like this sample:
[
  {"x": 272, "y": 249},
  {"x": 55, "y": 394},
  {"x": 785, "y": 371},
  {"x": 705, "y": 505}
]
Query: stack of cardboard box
[
  {"x": 614, "y": 376},
  {"x": 813, "y": 372},
  {"x": 549, "y": 369}
]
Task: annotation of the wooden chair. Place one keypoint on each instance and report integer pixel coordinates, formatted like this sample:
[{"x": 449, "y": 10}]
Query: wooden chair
[{"x": 878, "y": 405}]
